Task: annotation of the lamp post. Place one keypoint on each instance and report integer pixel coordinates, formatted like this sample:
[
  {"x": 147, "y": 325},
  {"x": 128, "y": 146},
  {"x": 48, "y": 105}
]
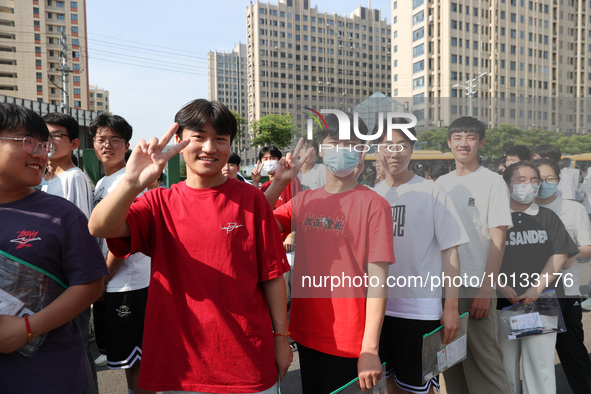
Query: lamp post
[{"x": 470, "y": 89}]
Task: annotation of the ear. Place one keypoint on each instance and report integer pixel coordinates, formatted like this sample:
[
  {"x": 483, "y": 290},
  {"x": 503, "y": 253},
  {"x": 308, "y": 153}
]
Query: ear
[
  {"x": 481, "y": 144},
  {"x": 74, "y": 144}
]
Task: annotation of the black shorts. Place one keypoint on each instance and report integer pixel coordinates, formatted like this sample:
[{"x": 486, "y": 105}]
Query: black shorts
[
  {"x": 323, "y": 373},
  {"x": 401, "y": 347},
  {"x": 119, "y": 327}
]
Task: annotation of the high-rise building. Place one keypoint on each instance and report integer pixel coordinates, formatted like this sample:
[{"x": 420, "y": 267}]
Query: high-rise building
[
  {"x": 301, "y": 57},
  {"x": 524, "y": 62},
  {"x": 32, "y": 34},
  {"x": 228, "y": 84},
  {"x": 99, "y": 99}
]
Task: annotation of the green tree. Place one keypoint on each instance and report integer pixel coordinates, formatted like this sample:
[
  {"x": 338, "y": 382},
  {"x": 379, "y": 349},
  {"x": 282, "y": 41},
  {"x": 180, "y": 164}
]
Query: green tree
[
  {"x": 240, "y": 121},
  {"x": 435, "y": 139},
  {"x": 272, "y": 129}
]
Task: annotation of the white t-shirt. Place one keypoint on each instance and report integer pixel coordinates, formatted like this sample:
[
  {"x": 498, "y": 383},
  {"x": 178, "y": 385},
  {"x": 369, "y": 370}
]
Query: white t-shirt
[
  {"x": 425, "y": 223},
  {"x": 313, "y": 179},
  {"x": 569, "y": 182},
  {"x": 577, "y": 223},
  {"x": 74, "y": 186},
  {"x": 482, "y": 201},
  {"x": 134, "y": 273}
]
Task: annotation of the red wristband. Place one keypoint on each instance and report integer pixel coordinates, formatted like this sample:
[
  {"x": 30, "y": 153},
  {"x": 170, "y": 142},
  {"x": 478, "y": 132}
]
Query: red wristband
[
  {"x": 29, "y": 333},
  {"x": 282, "y": 334}
]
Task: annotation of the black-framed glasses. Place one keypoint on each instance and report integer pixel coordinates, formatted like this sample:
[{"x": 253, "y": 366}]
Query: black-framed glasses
[
  {"x": 58, "y": 136},
  {"x": 115, "y": 142},
  {"x": 550, "y": 179},
  {"x": 31, "y": 145}
]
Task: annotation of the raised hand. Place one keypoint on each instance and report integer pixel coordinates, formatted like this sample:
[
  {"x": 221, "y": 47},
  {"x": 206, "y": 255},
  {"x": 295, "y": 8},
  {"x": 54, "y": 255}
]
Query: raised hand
[
  {"x": 256, "y": 174},
  {"x": 289, "y": 166},
  {"x": 148, "y": 158}
]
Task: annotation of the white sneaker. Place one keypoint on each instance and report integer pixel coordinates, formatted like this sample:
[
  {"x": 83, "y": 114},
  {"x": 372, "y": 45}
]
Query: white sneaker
[
  {"x": 100, "y": 360},
  {"x": 586, "y": 305}
]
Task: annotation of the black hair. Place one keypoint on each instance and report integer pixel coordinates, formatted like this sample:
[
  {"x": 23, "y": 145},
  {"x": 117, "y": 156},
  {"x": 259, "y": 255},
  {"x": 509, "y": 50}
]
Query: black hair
[
  {"x": 395, "y": 121},
  {"x": 520, "y": 151},
  {"x": 546, "y": 162},
  {"x": 13, "y": 117},
  {"x": 234, "y": 159},
  {"x": 195, "y": 114},
  {"x": 273, "y": 150},
  {"x": 437, "y": 169},
  {"x": 115, "y": 123},
  {"x": 64, "y": 120},
  {"x": 508, "y": 174},
  {"x": 548, "y": 151},
  {"x": 332, "y": 121},
  {"x": 466, "y": 124}
]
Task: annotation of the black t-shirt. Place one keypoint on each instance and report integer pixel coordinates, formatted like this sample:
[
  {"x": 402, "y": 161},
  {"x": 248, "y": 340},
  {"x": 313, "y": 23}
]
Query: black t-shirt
[{"x": 528, "y": 246}]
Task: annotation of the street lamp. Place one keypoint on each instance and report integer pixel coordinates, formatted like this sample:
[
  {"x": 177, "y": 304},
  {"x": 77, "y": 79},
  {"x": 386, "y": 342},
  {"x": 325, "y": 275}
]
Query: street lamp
[{"x": 470, "y": 89}]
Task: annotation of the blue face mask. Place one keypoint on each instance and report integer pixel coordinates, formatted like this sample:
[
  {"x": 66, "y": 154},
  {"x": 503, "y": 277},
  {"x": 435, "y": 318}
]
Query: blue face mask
[
  {"x": 524, "y": 193},
  {"x": 342, "y": 162},
  {"x": 547, "y": 190}
]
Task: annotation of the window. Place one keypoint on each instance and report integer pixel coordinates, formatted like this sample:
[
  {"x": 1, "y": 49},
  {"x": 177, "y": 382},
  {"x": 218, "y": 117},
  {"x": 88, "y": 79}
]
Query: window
[
  {"x": 77, "y": 103},
  {"x": 418, "y": 50},
  {"x": 60, "y": 17},
  {"x": 76, "y": 67},
  {"x": 418, "y": 17},
  {"x": 418, "y": 83},
  {"x": 75, "y": 42},
  {"x": 59, "y": 4},
  {"x": 418, "y": 66},
  {"x": 417, "y": 3},
  {"x": 76, "y": 90},
  {"x": 418, "y": 34},
  {"x": 39, "y": 75},
  {"x": 39, "y": 88},
  {"x": 77, "y": 78},
  {"x": 74, "y": 17},
  {"x": 74, "y": 4},
  {"x": 74, "y": 29}
]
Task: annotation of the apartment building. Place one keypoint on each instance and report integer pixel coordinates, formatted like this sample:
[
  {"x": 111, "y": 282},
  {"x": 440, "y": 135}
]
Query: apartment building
[
  {"x": 98, "y": 99},
  {"x": 299, "y": 56},
  {"x": 524, "y": 62},
  {"x": 227, "y": 82},
  {"x": 31, "y": 49}
]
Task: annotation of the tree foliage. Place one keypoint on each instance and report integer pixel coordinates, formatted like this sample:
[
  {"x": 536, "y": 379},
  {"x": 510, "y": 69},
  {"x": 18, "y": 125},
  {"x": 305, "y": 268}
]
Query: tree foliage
[
  {"x": 502, "y": 137},
  {"x": 272, "y": 129}
]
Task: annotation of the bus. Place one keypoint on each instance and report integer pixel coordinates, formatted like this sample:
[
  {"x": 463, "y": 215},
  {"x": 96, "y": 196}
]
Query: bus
[{"x": 420, "y": 159}]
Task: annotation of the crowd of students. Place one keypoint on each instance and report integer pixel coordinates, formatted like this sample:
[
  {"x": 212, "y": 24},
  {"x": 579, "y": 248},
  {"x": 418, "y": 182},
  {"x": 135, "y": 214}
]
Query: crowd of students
[{"x": 192, "y": 279}]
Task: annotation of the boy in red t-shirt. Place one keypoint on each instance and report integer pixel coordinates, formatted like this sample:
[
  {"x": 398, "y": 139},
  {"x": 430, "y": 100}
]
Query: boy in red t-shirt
[
  {"x": 216, "y": 313},
  {"x": 344, "y": 230}
]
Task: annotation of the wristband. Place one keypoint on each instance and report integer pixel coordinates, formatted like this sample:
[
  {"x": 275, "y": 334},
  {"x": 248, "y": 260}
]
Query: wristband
[
  {"x": 281, "y": 334},
  {"x": 29, "y": 333}
]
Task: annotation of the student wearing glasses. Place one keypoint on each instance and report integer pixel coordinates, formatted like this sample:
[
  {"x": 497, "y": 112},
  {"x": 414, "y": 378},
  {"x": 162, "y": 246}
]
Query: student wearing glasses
[
  {"x": 119, "y": 320},
  {"x": 49, "y": 233}
]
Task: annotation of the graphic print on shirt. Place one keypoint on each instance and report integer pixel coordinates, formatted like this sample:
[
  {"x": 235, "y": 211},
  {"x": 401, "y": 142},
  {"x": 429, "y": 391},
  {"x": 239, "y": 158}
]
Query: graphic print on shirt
[
  {"x": 25, "y": 237},
  {"x": 231, "y": 226},
  {"x": 325, "y": 223},
  {"x": 399, "y": 218},
  {"x": 471, "y": 202},
  {"x": 527, "y": 237},
  {"x": 98, "y": 195}
]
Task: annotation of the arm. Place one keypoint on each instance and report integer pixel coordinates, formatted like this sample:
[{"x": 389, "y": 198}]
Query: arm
[
  {"x": 113, "y": 264},
  {"x": 584, "y": 251},
  {"x": 450, "y": 318},
  {"x": 144, "y": 166},
  {"x": 274, "y": 292},
  {"x": 480, "y": 304},
  {"x": 13, "y": 332},
  {"x": 553, "y": 265},
  {"x": 369, "y": 367},
  {"x": 255, "y": 175}
]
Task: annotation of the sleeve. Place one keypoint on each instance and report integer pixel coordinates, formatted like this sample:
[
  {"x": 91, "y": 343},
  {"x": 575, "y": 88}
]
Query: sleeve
[
  {"x": 79, "y": 192},
  {"x": 381, "y": 231},
  {"x": 560, "y": 241},
  {"x": 499, "y": 213},
  {"x": 449, "y": 230},
  {"x": 140, "y": 220},
  {"x": 582, "y": 226},
  {"x": 82, "y": 259},
  {"x": 271, "y": 259},
  {"x": 283, "y": 216}
]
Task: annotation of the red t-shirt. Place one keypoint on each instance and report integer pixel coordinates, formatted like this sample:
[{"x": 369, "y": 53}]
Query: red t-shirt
[
  {"x": 336, "y": 235},
  {"x": 207, "y": 325},
  {"x": 294, "y": 187}
]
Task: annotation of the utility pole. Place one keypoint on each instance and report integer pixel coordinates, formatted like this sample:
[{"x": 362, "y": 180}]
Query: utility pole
[
  {"x": 65, "y": 71},
  {"x": 470, "y": 88}
]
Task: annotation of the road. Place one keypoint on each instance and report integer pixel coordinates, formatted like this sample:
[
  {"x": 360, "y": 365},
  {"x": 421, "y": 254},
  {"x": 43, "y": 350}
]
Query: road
[{"x": 113, "y": 381}]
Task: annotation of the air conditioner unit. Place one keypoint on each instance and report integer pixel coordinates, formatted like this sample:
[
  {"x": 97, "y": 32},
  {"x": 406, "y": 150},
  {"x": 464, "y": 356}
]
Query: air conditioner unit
[{"x": 430, "y": 18}]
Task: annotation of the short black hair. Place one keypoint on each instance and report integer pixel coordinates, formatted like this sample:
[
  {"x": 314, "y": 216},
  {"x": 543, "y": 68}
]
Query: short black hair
[
  {"x": 273, "y": 150},
  {"x": 395, "y": 121},
  {"x": 467, "y": 124},
  {"x": 114, "y": 122},
  {"x": 195, "y": 114},
  {"x": 64, "y": 120},
  {"x": 508, "y": 174},
  {"x": 548, "y": 151},
  {"x": 234, "y": 159},
  {"x": 547, "y": 162},
  {"x": 520, "y": 151},
  {"x": 332, "y": 122},
  {"x": 13, "y": 117}
]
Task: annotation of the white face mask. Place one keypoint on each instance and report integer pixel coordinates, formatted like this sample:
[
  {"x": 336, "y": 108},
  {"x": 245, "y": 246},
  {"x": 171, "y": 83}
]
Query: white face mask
[
  {"x": 270, "y": 165},
  {"x": 524, "y": 193}
]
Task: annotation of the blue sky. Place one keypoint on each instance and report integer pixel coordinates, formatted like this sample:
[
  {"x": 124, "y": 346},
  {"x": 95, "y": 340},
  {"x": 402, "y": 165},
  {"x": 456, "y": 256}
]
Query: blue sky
[{"x": 152, "y": 55}]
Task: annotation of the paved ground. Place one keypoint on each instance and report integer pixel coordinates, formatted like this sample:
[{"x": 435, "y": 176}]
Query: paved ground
[{"x": 113, "y": 382}]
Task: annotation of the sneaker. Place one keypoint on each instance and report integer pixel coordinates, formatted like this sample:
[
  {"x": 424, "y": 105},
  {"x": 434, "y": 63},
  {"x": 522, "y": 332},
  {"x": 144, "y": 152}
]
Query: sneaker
[
  {"x": 100, "y": 360},
  {"x": 586, "y": 305},
  {"x": 293, "y": 347}
]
